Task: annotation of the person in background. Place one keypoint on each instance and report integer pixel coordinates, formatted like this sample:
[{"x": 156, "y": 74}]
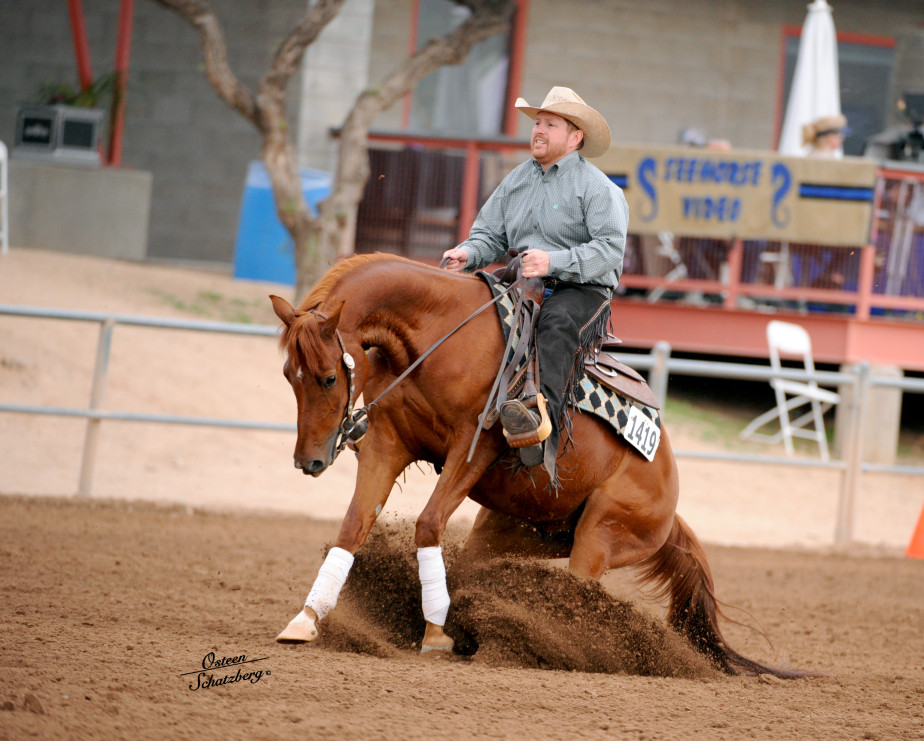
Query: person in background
[
  {"x": 825, "y": 136},
  {"x": 818, "y": 266}
]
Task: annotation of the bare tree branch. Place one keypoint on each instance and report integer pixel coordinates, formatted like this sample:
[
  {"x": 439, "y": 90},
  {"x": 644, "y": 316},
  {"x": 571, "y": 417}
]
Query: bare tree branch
[
  {"x": 292, "y": 50},
  {"x": 319, "y": 241},
  {"x": 488, "y": 18},
  {"x": 338, "y": 213},
  {"x": 215, "y": 54}
]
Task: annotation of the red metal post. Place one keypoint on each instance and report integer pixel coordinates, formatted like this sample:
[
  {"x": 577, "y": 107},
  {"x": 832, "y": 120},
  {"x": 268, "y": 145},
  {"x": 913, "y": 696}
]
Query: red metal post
[
  {"x": 81, "y": 47},
  {"x": 123, "y": 52},
  {"x": 735, "y": 260},
  {"x": 469, "y": 205},
  {"x": 515, "y": 75},
  {"x": 865, "y": 280}
]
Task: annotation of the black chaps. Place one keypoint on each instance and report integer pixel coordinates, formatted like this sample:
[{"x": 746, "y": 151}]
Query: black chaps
[{"x": 572, "y": 319}]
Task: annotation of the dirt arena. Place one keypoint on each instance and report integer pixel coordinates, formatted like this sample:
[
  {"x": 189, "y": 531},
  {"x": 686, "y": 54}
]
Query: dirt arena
[
  {"x": 109, "y": 610},
  {"x": 197, "y": 547}
]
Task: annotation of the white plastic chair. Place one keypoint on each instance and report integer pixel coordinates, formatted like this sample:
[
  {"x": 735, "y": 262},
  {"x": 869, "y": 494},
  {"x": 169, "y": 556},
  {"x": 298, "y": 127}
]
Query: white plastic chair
[
  {"x": 4, "y": 202},
  {"x": 667, "y": 249},
  {"x": 791, "y": 340}
]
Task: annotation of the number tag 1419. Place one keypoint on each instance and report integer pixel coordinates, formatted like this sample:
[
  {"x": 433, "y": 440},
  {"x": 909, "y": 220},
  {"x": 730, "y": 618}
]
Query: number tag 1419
[{"x": 642, "y": 433}]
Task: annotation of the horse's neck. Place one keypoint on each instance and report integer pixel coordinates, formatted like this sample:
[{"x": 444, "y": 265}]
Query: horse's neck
[{"x": 397, "y": 317}]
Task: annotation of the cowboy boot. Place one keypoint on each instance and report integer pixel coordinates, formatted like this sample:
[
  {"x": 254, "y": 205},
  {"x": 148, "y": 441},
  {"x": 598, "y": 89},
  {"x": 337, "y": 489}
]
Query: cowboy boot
[{"x": 525, "y": 429}]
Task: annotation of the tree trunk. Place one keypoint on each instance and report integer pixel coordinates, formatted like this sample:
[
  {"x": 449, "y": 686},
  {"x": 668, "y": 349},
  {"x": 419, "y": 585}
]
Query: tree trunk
[
  {"x": 337, "y": 215},
  {"x": 267, "y": 112},
  {"x": 319, "y": 242}
]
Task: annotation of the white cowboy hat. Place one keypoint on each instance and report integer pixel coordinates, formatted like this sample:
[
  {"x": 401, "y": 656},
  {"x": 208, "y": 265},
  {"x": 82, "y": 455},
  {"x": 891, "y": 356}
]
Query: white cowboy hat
[{"x": 568, "y": 104}]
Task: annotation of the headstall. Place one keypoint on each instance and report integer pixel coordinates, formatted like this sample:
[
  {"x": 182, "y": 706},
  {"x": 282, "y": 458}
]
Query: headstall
[{"x": 356, "y": 421}]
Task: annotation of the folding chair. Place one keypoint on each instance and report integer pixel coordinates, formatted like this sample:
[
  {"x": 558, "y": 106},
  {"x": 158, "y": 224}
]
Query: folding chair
[
  {"x": 792, "y": 340},
  {"x": 667, "y": 249}
]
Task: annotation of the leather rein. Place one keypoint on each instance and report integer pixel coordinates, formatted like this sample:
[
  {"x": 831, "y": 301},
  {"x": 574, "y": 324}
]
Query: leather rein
[{"x": 355, "y": 421}]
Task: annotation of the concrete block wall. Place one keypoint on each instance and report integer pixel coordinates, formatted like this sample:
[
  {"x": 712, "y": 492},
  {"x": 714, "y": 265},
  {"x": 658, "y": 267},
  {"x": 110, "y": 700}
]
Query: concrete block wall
[
  {"x": 654, "y": 68},
  {"x": 195, "y": 147},
  {"x": 651, "y": 68},
  {"x": 335, "y": 72},
  {"x": 391, "y": 32},
  {"x": 81, "y": 210}
]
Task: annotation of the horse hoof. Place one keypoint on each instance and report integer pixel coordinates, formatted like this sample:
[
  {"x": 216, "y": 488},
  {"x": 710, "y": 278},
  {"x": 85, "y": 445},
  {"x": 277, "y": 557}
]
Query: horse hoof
[
  {"x": 435, "y": 640},
  {"x": 303, "y": 628},
  {"x": 438, "y": 648}
]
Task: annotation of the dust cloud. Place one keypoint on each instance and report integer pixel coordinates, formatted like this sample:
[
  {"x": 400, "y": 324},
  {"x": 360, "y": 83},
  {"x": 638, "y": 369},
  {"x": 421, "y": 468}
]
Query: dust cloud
[{"x": 505, "y": 613}]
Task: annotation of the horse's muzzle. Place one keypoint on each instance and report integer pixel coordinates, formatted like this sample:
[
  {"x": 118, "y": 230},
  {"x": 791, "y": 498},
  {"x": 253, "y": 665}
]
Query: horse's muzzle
[
  {"x": 309, "y": 459},
  {"x": 314, "y": 467}
]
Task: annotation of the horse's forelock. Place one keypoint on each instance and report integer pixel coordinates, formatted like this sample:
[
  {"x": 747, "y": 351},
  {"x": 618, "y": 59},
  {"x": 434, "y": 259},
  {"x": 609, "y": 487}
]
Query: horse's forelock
[{"x": 301, "y": 340}]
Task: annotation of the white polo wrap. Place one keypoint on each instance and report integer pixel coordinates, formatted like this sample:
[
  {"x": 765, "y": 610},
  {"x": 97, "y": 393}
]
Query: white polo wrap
[
  {"x": 433, "y": 591},
  {"x": 326, "y": 588}
]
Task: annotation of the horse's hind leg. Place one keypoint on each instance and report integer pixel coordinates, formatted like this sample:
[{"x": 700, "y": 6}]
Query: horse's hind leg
[
  {"x": 494, "y": 535},
  {"x": 628, "y": 517}
]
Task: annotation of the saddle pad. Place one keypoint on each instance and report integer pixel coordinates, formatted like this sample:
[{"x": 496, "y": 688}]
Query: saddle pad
[{"x": 590, "y": 395}]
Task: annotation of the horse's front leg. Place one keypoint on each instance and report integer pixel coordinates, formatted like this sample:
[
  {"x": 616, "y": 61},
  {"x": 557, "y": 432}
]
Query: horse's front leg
[
  {"x": 376, "y": 474},
  {"x": 454, "y": 484}
]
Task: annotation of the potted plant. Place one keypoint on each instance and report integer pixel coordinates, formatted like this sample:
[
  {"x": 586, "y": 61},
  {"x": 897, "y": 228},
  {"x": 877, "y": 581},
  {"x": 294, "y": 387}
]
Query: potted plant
[
  {"x": 62, "y": 93},
  {"x": 64, "y": 124}
]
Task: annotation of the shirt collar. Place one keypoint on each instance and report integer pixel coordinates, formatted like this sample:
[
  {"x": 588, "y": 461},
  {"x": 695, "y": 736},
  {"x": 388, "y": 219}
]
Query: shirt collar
[{"x": 563, "y": 165}]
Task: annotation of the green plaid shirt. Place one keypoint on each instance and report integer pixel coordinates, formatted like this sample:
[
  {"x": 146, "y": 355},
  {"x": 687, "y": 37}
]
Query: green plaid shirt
[{"x": 572, "y": 211}]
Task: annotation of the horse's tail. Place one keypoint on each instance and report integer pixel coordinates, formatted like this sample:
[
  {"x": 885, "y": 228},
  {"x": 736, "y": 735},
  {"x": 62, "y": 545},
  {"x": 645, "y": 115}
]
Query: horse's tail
[{"x": 680, "y": 572}]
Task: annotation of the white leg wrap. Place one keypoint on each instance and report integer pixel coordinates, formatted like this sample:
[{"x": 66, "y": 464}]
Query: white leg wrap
[
  {"x": 326, "y": 588},
  {"x": 434, "y": 595}
]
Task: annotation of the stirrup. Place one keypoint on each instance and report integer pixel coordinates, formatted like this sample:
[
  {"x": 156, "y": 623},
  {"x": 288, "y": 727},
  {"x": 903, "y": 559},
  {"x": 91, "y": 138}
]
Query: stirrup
[{"x": 525, "y": 430}]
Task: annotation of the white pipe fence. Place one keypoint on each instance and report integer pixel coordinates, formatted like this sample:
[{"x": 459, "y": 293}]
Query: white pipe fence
[{"x": 659, "y": 363}]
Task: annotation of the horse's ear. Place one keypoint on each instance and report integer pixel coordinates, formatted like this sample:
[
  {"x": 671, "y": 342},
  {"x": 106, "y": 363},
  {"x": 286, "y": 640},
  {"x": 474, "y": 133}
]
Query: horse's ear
[
  {"x": 283, "y": 310},
  {"x": 329, "y": 325}
]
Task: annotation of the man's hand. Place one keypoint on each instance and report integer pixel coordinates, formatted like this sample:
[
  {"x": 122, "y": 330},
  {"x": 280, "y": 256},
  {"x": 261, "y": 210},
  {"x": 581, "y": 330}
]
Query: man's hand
[
  {"x": 535, "y": 263},
  {"x": 458, "y": 259}
]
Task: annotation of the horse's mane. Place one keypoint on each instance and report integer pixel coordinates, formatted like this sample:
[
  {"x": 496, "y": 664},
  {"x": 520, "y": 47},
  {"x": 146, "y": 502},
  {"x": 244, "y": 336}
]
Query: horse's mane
[
  {"x": 295, "y": 339},
  {"x": 324, "y": 286}
]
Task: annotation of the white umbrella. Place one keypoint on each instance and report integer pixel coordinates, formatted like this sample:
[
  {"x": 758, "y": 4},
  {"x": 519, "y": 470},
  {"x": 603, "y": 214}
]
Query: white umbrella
[{"x": 815, "y": 90}]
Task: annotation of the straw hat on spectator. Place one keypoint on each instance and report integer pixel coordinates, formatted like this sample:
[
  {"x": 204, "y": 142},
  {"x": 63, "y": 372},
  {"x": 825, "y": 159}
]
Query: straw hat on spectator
[
  {"x": 568, "y": 104},
  {"x": 823, "y": 126}
]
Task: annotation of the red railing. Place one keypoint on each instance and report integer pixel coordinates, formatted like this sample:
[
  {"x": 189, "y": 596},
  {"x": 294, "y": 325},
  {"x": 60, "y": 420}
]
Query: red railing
[{"x": 424, "y": 193}]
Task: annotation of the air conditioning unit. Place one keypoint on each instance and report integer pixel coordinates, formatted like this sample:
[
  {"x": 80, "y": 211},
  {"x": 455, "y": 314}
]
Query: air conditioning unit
[{"x": 59, "y": 133}]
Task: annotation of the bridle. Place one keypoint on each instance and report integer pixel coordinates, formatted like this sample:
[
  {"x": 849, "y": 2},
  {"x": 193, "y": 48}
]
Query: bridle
[
  {"x": 351, "y": 429},
  {"x": 355, "y": 422}
]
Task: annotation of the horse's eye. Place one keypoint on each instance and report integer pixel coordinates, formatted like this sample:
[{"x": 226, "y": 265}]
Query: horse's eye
[{"x": 330, "y": 381}]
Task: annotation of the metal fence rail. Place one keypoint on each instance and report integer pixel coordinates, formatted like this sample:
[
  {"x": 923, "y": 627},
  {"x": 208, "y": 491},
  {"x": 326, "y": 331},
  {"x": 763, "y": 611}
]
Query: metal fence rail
[
  {"x": 658, "y": 363},
  {"x": 94, "y": 413}
]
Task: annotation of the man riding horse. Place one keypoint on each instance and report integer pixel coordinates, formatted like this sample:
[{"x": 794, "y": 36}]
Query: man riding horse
[
  {"x": 386, "y": 329},
  {"x": 568, "y": 221}
]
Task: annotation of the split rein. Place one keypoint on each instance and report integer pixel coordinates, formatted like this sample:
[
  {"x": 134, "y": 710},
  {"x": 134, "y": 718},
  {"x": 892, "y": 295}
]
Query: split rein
[{"x": 355, "y": 421}]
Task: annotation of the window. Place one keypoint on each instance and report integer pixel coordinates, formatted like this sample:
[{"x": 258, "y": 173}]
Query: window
[
  {"x": 468, "y": 98},
  {"x": 865, "y": 71}
]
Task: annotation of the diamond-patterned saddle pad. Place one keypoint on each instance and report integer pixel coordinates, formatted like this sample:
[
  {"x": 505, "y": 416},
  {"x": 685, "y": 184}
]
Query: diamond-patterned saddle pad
[{"x": 590, "y": 395}]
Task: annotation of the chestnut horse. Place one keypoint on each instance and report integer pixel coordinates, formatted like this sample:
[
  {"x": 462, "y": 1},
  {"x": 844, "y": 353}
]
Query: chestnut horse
[{"x": 357, "y": 331}]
